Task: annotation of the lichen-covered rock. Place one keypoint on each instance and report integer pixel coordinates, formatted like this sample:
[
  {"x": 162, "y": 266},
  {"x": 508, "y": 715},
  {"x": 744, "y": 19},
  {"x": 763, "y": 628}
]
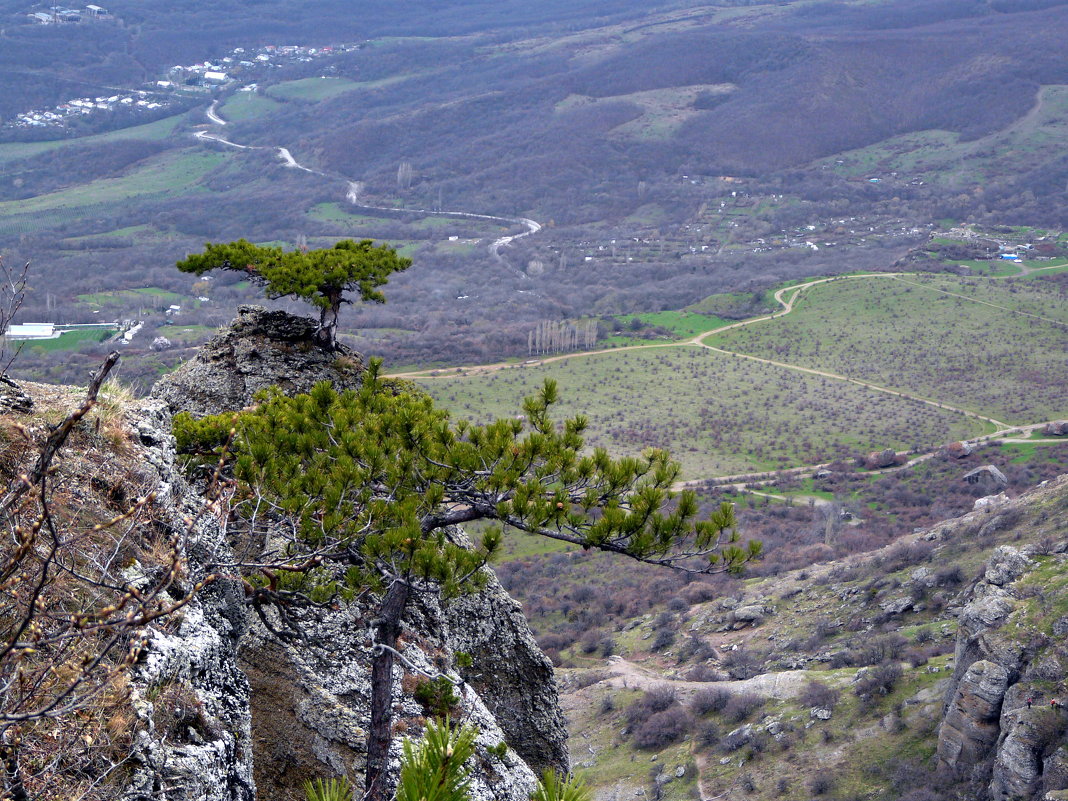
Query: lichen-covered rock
[
  {"x": 511, "y": 674},
  {"x": 310, "y": 698},
  {"x": 257, "y": 350},
  {"x": 1018, "y": 756},
  {"x": 752, "y": 614},
  {"x": 187, "y": 691},
  {"x": 12, "y": 397},
  {"x": 1005, "y": 656},
  {"x": 1006, "y": 565}
]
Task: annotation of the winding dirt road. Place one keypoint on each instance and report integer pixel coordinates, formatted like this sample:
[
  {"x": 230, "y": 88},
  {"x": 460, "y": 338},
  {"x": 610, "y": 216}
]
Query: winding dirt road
[{"x": 352, "y": 189}]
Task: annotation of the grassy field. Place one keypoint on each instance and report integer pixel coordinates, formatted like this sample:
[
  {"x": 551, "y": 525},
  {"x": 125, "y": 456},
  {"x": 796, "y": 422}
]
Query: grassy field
[
  {"x": 247, "y": 106},
  {"x": 312, "y": 89},
  {"x": 188, "y": 334},
  {"x": 69, "y": 340},
  {"x": 681, "y": 324},
  {"x": 146, "y": 296},
  {"x": 152, "y": 131},
  {"x": 170, "y": 173},
  {"x": 1029, "y": 297},
  {"x": 717, "y": 414},
  {"x": 915, "y": 338}
]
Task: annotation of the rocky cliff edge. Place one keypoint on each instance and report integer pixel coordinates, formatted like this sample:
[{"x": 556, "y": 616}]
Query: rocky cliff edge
[{"x": 283, "y": 712}]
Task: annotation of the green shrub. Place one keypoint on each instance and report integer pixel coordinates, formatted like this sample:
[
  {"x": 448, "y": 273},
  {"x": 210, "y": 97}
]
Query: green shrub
[
  {"x": 437, "y": 696},
  {"x": 554, "y": 787}
]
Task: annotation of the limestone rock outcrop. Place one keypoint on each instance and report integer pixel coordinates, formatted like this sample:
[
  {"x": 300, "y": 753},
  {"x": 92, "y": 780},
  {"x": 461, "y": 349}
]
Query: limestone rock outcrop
[
  {"x": 1002, "y": 716},
  {"x": 259, "y": 349},
  {"x": 187, "y": 691},
  {"x": 299, "y": 708}
]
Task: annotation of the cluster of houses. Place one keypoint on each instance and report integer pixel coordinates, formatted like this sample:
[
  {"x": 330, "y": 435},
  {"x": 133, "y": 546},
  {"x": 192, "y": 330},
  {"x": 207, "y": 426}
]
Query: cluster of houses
[
  {"x": 60, "y": 115},
  {"x": 61, "y": 15},
  {"x": 204, "y": 77},
  {"x": 240, "y": 62}
]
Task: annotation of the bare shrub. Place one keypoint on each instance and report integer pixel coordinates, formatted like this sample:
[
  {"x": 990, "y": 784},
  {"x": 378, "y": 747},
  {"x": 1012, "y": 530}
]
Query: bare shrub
[
  {"x": 741, "y": 664},
  {"x": 712, "y": 699},
  {"x": 819, "y": 695},
  {"x": 652, "y": 701},
  {"x": 740, "y": 707},
  {"x": 587, "y": 678},
  {"x": 949, "y": 576},
  {"x": 662, "y": 728},
  {"x": 821, "y": 783},
  {"x": 708, "y": 735},
  {"x": 879, "y": 680},
  {"x": 664, "y": 638},
  {"x": 702, "y": 673},
  {"x": 678, "y": 604}
]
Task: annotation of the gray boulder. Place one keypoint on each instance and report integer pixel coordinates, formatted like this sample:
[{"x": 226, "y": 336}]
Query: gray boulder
[{"x": 259, "y": 349}]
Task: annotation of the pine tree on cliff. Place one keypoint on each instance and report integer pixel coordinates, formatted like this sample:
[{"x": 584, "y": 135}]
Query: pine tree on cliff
[
  {"x": 321, "y": 277},
  {"x": 372, "y": 482}
]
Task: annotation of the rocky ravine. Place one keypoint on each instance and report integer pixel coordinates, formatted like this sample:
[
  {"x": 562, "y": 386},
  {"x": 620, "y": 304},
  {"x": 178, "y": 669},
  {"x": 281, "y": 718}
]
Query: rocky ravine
[{"x": 263, "y": 715}]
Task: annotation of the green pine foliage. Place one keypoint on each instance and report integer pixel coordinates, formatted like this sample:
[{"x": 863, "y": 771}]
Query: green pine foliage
[
  {"x": 434, "y": 770},
  {"x": 382, "y": 474},
  {"x": 437, "y": 696},
  {"x": 321, "y": 277},
  {"x": 555, "y": 787},
  {"x": 328, "y": 790},
  {"x": 371, "y": 482}
]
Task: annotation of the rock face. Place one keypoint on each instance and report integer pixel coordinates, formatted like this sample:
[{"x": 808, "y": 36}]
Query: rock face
[
  {"x": 310, "y": 699},
  {"x": 988, "y": 477},
  {"x": 187, "y": 691},
  {"x": 299, "y": 709},
  {"x": 1005, "y": 655},
  {"x": 958, "y": 450},
  {"x": 510, "y": 672},
  {"x": 259, "y": 349},
  {"x": 1058, "y": 428}
]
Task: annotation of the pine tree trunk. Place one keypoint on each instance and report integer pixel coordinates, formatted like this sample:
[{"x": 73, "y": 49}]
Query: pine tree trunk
[
  {"x": 327, "y": 333},
  {"x": 387, "y": 630}
]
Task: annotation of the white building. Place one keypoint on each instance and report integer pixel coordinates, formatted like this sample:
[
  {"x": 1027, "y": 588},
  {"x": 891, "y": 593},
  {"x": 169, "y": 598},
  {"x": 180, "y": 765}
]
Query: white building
[{"x": 32, "y": 331}]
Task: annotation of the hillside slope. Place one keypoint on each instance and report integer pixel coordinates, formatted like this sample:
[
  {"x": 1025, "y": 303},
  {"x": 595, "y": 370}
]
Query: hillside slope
[{"x": 871, "y": 677}]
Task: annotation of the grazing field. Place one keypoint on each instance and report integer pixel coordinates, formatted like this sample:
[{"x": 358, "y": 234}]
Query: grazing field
[
  {"x": 153, "y": 297},
  {"x": 1029, "y": 297},
  {"x": 312, "y": 89},
  {"x": 173, "y": 172},
  {"x": 913, "y": 335},
  {"x": 151, "y": 131},
  {"x": 68, "y": 340},
  {"x": 679, "y": 324},
  {"x": 248, "y": 106},
  {"x": 717, "y": 414},
  {"x": 188, "y": 334}
]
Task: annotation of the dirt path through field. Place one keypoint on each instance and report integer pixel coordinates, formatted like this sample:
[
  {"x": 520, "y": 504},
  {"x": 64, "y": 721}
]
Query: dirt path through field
[{"x": 781, "y": 685}]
